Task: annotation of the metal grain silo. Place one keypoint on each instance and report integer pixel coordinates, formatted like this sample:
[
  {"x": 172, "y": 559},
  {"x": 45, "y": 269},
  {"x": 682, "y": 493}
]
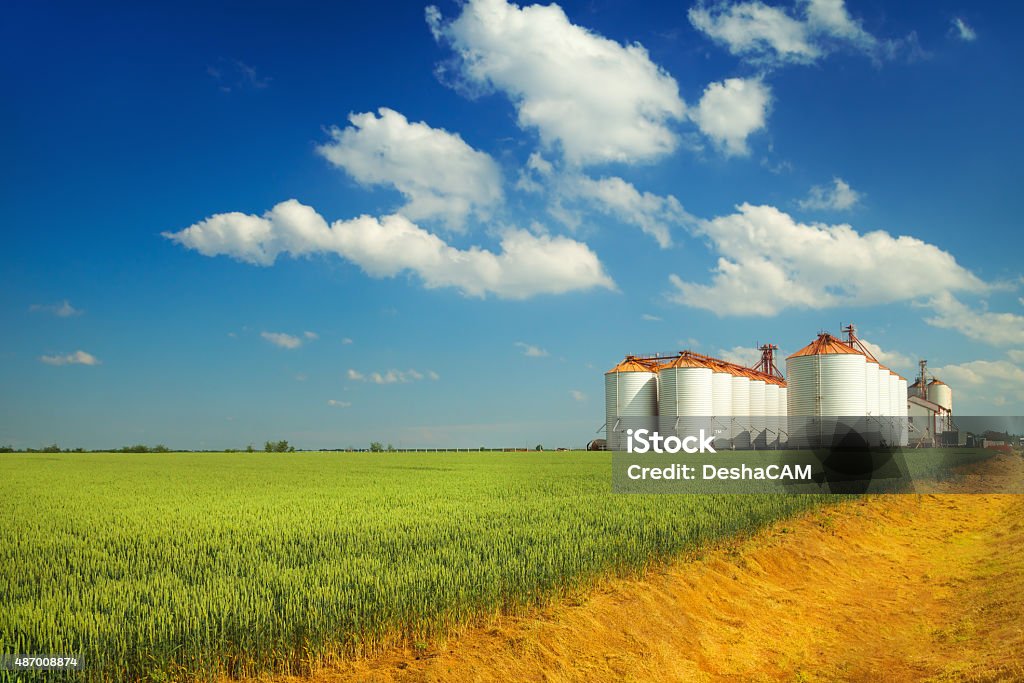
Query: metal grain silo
[
  {"x": 685, "y": 403},
  {"x": 771, "y": 412},
  {"x": 884, "y": 405},
  {"x": 826, "y": 379},
  {"x": 740, "y": 408},
  {"x": 630, "y": 400},
  {"x": 894, "y": 403},
  {"x": 940, "y": 393},
  {"x": 721, "y": 404},
  {"x": 783, "y": 414},
  {"x": 901, "y": 414},
  {"x": 871, "y": 387},
  {"x": 757, "y": 410}
]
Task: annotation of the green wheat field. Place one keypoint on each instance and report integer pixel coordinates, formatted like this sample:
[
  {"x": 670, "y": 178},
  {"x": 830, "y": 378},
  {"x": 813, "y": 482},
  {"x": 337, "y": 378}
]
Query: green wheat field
[{"x": 179, "y": 566}]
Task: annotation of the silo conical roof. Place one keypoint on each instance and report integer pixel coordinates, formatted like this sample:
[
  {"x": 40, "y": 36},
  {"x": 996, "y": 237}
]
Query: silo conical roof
[{"x": 825, "y": 344}]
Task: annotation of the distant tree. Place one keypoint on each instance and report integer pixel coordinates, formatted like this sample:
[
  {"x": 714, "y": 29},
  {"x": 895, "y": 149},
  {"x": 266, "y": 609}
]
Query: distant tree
[
  {"x": 6, "y": 449},
  {"x": 160, "y": 448},
  {"x": 539, "y": 447},
  {"x": 391, "y": 449},
  {"x": 268, "y": 447},
  {"x": 249, "y": 449},
  {"x": 376, "y": 446},
  {"x": 281, "y": 446},
  {"x": 52, "y": 448},
  {"x": 137, "y": 448}
]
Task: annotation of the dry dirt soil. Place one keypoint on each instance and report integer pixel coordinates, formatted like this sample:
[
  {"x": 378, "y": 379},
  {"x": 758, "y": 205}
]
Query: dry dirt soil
[{"x": 914, "y": 587}]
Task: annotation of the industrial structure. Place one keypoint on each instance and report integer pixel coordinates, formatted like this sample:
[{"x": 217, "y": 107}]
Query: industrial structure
[{"x": 832, "y": 385}]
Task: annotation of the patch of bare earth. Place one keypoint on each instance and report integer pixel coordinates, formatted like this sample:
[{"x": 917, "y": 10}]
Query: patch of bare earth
[{"x": 888, "y": 588}]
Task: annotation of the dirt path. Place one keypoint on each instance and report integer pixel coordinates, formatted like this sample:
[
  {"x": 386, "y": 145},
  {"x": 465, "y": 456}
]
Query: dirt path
[{"x": 892, "y": 588}]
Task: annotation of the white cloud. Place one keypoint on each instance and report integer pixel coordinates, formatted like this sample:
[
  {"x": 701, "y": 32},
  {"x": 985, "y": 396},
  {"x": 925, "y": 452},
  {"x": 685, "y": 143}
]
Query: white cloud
[
  {"x": 839, "y": 197},
  {"x": 814, "y": 266},
  {"x": 998, "y": 329},
  {"x": 76, "y": 358},
  {"x": 963, "y": 31},
  {"x": 1016, "y": 355},
  {"x": 437, "y": 172},
  {"x": 746, "y": 356},
  {"x": 650, "y": 318},
  {"x": 599, "y": 100},
  {"x": 310, "y": 335},
  {"x": 770, "y": 35},
  {"x": 433, "y": 375},
  {"x": 531, "y": 351},
  {"x": 891, "y": 359},
  {"x": 338, "y": 404},
  {"x": 391, "y": 376},
  {"x": 285, "y": 341},
  {"x": 577, "y": 395},
  {"x": 527, "y": 265},
  {"x": 981, "y": 383},
  {"x": 653, "y": 214},
  {"x": 346, "y": 341},
  {"x": 61, "y": 310},
  {"x": 730, "y": 111}
]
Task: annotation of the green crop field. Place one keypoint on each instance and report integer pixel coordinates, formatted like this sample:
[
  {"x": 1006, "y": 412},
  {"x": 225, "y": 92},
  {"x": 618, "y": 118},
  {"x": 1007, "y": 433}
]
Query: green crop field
[{"x": 171, "y": 566}]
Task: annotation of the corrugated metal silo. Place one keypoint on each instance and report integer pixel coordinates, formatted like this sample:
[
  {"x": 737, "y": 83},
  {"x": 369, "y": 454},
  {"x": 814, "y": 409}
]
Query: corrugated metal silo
[
  {"x": 685, "y": 402},
  {"x": 757, "y": 410},
  {"x": 740, "y": 409},
  {"x": 940, "y": 393},
  {"x": 870, "y": 387},
  {"x": 721, "y": 404},
  {"x": 630, "y": 399},
  {"x": 826, "y": 378},
  {"x": 783, "y": 415},
  {"x": 902, "y": 413},
  {"x": 771, "y": 412}
]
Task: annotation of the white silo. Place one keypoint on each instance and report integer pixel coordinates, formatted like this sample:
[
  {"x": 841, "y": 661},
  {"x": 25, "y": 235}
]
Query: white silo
[
  {"x": 757, "y": 410},
  {"x": 740, "y": 408},
  {"x": 721, "y": 404},
  {"x": 870, "y": 387},
  {"x": 630, "y": 399},
  {"x": 685, "y": 402},
  {"x": 771, "y": 412},
  {"x": 884, "y": 417},
  {"x": 901, "y": 414},
  {"x": 826, "y": 379},
  {"x": 783, "y": 415},
  {"x": 940, "y": 393},
  {"x": 894, "y": 407}
]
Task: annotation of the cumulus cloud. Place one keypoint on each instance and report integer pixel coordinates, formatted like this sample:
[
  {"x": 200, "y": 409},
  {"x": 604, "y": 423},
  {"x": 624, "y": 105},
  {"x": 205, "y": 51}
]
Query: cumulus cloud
[
  {"x": 653, "y": 214},
  {"x": 730, "y": 111},
  {"x": 981, "y": 384},
  {"x": 438, "y": 173},
  {"x": 889, "y": 358},
  {"x": 747, "y": 356},
  {"x": 770, "y": 35},
  {"x": 338, "y": 404},
  {"x": 577, "y": 395},
  {"x": 531, "y": 351},
  {"x": 310, "y": 335},
  {"x": 346, "y": 341},
  {"x": 998, "y": 329},
  {"x": 962, "y": 30},
  {"x": 392, "y": 376},
  {"x": 839, "y": 197},
  {"x": 527, "y": 264},
  {"x": 61, "y": 310},
  {"x": 650, "y": 318},
  {"x": 285, "y": 341},
  {"x": 596, "y": 99},
  {"x": 76, "y": 358},
  {"x": 814, "y": 266}
]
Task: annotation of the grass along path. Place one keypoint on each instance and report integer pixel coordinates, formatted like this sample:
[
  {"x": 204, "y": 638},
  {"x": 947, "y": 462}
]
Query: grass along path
[{"x": 894, "y": 588}]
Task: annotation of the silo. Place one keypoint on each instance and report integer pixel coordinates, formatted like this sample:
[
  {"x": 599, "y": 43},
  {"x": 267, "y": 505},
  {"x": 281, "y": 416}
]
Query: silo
[
  {"x": 771, "y": 412},
  {"x": 870, "y": 387},
  {"x": 894, "y": 407},
  {"x": 901, "y": 414},
  {"x": 940, "y": 393},
  {"x": 757, "y": 410},
  {"x": 783, "y": 415},
  {"x": 884, "y": 417},
  {"x": 740, "y": 408},
  {"x": 630, "y": 399},
  {"x": 721, "y": 404},
  {"x": 685, "y": 401},
  {"x": 826, "y": 379}
]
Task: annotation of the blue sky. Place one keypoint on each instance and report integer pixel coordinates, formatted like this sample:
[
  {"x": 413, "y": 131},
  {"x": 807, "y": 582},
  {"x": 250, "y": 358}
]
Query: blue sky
[{"x": 482, "y": 207}]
